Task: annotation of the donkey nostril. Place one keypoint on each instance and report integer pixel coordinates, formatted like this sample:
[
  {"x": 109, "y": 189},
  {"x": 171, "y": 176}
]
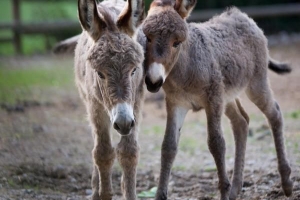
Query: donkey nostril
[
  {"x": 159, "y": 83},
  {"x": 116, "y": 126},
  {"x": 132, "y": 124},
  {"x": 147, "y": 80}
]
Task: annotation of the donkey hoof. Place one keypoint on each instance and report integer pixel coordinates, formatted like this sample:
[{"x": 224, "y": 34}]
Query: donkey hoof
[
  {"x": 161, "y": 196},
  {"x": 287, "y": 187},
  {"x": 233, "y": 195}
]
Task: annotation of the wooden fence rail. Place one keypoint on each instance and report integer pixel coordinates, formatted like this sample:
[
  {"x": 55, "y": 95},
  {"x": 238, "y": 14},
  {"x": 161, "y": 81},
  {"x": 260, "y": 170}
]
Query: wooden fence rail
[
  {"x": 253, "y": 11},
  {"x": 18, "y": 28}
]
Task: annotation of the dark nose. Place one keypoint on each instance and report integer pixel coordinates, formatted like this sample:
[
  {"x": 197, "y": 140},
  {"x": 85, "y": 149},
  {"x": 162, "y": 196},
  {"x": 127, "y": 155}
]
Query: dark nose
[
  {"x": 123, "y": 125},
  {"x": 153, "y": 87}
]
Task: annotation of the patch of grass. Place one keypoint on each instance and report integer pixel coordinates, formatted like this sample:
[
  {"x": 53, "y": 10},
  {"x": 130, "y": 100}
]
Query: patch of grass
[
  {"x": 210, "y": 169},
  {"x": 188, "y": 144},
  {"x": 29, "y": 83},
  {"x": 11, "y": 182},
  {"x": 256, "y": 117},
  {"x": 293, "y": 115},
  {"x": 179, "y": 168},
  {"x": 32, "y": 187},
  {"x": 158, "y": 129}
]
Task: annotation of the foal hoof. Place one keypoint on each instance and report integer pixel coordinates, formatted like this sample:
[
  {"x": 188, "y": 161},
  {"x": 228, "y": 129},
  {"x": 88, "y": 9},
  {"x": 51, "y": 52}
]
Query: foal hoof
[
  {"x": 287, "y": 187},
  {"x": 161, "y": 196}
]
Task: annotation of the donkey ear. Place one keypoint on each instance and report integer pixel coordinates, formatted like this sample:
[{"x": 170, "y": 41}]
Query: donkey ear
[
  {"x": 90, "y": 19},
  {"x": 184, "y": 7},
  {"x": 131, "y": 16}
]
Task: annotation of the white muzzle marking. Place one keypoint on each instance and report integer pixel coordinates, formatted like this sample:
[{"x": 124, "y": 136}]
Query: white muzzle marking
[
  {"x": 156, "y": 72},
  {"x": 123, "y": 110}
]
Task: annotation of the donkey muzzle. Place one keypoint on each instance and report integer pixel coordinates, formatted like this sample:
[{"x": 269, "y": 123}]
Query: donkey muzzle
[
  {"x": 155, "y": 77},
  {"x": 123, "y": 118},
  {"x": 153, "y": 87}
]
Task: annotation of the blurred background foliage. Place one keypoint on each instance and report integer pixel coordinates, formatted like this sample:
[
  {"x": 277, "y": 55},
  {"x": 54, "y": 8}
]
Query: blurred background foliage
[{"x": 33, "y": 11}]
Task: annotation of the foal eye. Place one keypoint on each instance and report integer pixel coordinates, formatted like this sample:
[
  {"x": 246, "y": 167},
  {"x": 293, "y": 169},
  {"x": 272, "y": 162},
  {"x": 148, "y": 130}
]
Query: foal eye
[
  {"x": 101, "y": 75},
  {"x": 176, "y": 44},
  {"x": 148, "y": 40},
  {"x": 133, "y": 72}
]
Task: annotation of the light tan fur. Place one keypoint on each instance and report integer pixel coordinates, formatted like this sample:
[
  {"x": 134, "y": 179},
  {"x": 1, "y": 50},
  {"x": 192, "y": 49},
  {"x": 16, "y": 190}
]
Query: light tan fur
[
  {"x": 109, "y": 76},
  {"x": 207, "y": 65}
]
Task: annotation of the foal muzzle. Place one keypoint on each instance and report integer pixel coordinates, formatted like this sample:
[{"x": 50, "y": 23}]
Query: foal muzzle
[{"x": 123, "y": 118}]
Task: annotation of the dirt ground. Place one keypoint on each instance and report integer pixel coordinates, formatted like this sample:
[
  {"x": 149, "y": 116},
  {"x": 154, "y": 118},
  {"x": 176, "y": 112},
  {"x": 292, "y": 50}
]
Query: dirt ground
[{"x": 45, "y": 146}]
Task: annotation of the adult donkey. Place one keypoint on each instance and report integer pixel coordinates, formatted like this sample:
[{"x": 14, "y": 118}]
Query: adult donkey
[
  {"x": 109, "y": 76},
  {"x": 207, "y": 65}
]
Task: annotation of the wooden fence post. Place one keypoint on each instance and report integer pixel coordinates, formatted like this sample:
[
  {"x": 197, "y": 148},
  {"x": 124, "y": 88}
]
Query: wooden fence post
[{"x": 16, "y": 26}]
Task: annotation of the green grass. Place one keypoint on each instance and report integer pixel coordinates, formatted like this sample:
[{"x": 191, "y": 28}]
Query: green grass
[
  {"x": 293, "y": 115},
  {"x": 189, "y": 144},
  {"x": 31, "y": 82},
  {"x": 33, "y": 12}
]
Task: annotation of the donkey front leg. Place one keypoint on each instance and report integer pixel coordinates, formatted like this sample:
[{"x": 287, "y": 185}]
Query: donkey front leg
[
  {"x": 128, "y": 156},
  {"x": 175, "y": 118},
  {"x": 103, "y": 154},
  {"x": 216, "y": 144}
]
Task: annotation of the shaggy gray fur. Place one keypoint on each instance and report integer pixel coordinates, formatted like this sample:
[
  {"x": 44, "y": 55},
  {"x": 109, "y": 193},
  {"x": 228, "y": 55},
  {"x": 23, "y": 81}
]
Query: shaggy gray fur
[
  {"x": 207, "y": 65},
  {"x": 109, "y": 76}
]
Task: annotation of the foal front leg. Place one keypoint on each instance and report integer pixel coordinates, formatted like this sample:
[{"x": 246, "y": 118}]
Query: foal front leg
[
  {"x": 175, "y": 118},
  {"x": 128, "y": 156},
  {"x": 216, "y": 144},
  {"x": 103, "y": 155}
]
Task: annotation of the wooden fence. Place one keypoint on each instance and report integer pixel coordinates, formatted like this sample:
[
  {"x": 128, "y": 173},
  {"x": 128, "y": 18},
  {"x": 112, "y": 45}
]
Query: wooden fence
[
  {"x": 18, "y": 28},
  {"x": 46, "y": 28}
]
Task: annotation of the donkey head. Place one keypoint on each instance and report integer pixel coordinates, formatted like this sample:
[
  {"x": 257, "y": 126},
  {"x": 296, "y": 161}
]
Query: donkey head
[
  {"x": 165, "y": 28},
  {"x": 115, "y": 59}
]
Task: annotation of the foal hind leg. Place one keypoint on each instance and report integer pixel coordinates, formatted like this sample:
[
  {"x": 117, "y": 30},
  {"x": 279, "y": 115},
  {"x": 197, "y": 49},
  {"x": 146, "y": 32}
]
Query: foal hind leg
[
  {"x": 260, "y": 94},
  {"x": 216, "y": 145},
  {"x": 239, "y": 122}
]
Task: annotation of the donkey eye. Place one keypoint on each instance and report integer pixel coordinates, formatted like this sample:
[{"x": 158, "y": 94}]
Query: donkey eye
[
  {"x": 101, "y": 75},
  {"x": 176, "y": 44},
  {"x": 148, "y": 40},
  {"x": 133, "y": 71}
]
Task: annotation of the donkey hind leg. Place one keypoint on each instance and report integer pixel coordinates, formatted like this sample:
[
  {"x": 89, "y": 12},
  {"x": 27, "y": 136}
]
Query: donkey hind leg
[
  {"x": 216, "y": 145},
  {"x": 239, "y": 122},
  {"x": 260, "y": 94},
  {"x": 128, "y": 156},
  {"x": 175, "y": 120}
]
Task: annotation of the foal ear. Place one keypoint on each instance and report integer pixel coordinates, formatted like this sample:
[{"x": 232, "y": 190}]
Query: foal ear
[
  {"x": 90, "y": 19},
  {"x": 184, "y": 7},
  {"x": 131, "y": 16}
]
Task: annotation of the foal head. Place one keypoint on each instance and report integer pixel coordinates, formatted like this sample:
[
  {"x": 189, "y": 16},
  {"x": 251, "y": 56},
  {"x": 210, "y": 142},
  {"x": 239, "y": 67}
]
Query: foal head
[
  {"x": 115, "y": 59},
  {"x": 165, "y": 28}
]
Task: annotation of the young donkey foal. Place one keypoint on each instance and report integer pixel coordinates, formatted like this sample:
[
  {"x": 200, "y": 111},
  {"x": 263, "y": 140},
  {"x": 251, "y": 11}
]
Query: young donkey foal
[
  {"x": 109, "y": 77},
  {"x": 207, "y": 65}
]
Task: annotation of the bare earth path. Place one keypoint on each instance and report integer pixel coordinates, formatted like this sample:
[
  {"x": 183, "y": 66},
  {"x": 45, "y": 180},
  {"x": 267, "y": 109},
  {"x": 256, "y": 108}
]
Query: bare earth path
[{"x": 45, "y": 145}]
